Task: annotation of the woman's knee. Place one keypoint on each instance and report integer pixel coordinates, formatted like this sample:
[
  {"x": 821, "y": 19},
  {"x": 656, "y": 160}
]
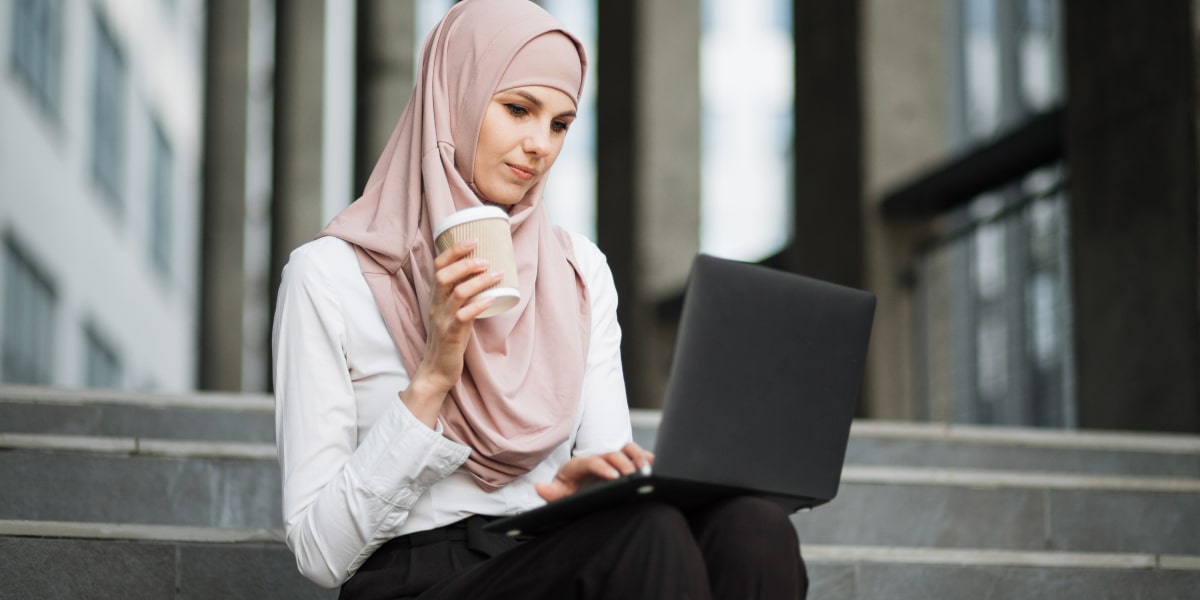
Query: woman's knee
[{"x": 746, "y": 522}]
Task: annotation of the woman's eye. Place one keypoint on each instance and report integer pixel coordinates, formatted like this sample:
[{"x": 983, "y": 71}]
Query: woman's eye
[
  {"x": 559, "y": 126},
  {"x": 516, "y": 110}
]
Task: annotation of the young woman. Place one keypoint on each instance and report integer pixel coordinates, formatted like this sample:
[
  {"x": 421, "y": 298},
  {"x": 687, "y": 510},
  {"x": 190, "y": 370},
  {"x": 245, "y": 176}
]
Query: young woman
[{"x": 404, "y": 422}]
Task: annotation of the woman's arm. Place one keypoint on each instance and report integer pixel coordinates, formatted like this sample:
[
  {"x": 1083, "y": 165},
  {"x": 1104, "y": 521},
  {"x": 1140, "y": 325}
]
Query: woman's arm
[
  {"x": 456, "y": 280},
  {"x": 605, "y": 423},
  {"x": 342, "y": 497}
]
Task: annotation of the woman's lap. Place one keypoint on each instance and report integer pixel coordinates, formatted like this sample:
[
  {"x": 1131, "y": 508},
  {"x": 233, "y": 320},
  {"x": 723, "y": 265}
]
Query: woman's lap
[{"x": 643, "y": 550}]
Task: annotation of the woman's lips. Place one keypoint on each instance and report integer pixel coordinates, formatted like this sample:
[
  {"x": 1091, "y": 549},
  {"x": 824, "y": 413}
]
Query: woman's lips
[{"x": 522, "y": 173}]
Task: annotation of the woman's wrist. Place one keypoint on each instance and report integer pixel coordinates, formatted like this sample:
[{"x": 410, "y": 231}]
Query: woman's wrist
[{"x": 424, "y": 399}]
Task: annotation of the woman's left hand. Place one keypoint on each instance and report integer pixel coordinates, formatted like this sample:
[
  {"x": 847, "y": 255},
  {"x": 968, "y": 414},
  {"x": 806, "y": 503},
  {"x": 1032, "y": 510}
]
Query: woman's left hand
[{"x": 582, "y": 470}]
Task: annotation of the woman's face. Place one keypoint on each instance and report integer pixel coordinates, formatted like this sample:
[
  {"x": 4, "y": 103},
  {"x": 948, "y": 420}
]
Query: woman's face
[{"x": 522, "y": 133}]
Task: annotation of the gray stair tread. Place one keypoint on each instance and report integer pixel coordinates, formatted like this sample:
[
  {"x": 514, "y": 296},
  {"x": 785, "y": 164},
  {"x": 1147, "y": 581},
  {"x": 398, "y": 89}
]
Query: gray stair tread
[
  {"x": 201, "y": 416},
  {"x": 875, "y": 451},
  {"x": 86, "y": 568},
  {"x": 1008, "y": 448},
  {"x": 185, "y": 423},
  {"x": 139, "y": 489},
  {"x": 898, "y": 581},
  {"x": 1006, "y": 518}
]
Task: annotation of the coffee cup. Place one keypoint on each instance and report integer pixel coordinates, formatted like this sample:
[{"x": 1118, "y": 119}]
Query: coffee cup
[{"x": 489, "y": 227}]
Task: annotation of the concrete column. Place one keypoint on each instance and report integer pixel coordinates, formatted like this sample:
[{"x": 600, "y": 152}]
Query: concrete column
[
  {"x": 905, "y": 102},
  {"x": 617, "y": 166},
  {"x": 668, "y": 128},
  {"x": 668, "y": 132},
  {"x": 387, "y": 42},
  {"x": 648, "y": 184},
  {"x": 298, "y": 140},
  {"x": 222, "y": 271},
  {"x": 1135, "y": 261},
  {"x": 828, "y": 220}
]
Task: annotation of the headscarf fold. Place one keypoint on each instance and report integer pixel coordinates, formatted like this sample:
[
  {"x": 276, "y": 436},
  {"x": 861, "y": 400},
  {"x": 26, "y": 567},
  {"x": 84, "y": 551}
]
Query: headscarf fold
[{"x": 523, "y": 369}]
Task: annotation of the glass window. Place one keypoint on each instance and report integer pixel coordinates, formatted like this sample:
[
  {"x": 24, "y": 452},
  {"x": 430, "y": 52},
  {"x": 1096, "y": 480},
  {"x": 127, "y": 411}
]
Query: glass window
[
  {"x": 160, "y": 201},
  {"x": 1011, "y": 63},
  {"x": 103, "y": 366},
  {"x": 108, "y": 115},
  {"x": 994, "y": 315},
  {"x": 37, "y": 48},
  {"x": 29, "y": 310}
]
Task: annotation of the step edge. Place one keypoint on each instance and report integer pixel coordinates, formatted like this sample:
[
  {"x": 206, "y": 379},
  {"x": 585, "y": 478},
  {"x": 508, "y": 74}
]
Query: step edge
[
  {"x": 139, "y": 446},
  {"x": 998, "y": 478},
  {"x": 139, "y": 532},
  {"x": 828, "y": 553},
  {"x": 229, "y": 401},
  {"x": 1095, "y": 440}
]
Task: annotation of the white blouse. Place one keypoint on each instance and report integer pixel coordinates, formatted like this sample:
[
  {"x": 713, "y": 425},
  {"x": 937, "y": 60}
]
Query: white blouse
[{"x": 358, "y": 469}]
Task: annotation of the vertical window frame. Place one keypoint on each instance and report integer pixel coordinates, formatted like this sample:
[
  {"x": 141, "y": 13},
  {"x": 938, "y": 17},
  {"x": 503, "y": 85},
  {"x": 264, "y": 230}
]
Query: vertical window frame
[{"x": 108, "y": 111}]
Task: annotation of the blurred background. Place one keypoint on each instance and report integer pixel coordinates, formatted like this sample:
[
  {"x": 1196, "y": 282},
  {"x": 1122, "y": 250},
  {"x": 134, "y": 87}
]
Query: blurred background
[{"x": 1016, "y": 180}]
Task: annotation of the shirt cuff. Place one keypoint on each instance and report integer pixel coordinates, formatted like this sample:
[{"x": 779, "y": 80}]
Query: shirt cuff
[{"x": 401, "y": 457}]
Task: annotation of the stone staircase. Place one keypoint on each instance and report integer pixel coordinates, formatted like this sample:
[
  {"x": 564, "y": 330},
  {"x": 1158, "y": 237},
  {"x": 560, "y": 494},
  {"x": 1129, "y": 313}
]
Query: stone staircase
[
  {"x": 153, "y": 496},
  {"x": 956, "y": 511},
  {"x": 141, "y": 496}
]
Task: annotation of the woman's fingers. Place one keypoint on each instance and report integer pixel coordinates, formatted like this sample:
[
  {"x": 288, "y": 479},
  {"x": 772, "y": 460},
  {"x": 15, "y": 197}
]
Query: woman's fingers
[
  {"x": 453, "y": 254},
  {"x": 460, "y": 278},
  {"x": 640, "y": 457}
]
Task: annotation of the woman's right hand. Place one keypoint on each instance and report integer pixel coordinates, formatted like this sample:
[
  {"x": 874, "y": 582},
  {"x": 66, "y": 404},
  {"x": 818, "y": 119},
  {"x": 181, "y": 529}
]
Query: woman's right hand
[{"x": 457, "y": 279}]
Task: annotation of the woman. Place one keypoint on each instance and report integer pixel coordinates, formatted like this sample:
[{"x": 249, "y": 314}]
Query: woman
[{"x": 403, "y": 422}]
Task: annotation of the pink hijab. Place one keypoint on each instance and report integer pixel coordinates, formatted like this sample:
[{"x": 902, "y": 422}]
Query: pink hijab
[{"x": 523, "y": 370}]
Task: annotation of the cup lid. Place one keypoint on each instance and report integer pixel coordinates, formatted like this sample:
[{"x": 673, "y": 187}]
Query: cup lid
[{"x": 466, "y": 215}]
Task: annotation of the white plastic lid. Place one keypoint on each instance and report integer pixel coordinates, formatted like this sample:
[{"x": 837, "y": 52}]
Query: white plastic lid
[{"x": 466, "y": 215}]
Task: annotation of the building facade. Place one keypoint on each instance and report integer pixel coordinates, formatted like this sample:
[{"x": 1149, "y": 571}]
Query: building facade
[{"x": 100, "y": 144}]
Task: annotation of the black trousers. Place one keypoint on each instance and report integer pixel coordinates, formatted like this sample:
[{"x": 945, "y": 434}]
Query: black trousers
[{"x": 743, "y": 548}]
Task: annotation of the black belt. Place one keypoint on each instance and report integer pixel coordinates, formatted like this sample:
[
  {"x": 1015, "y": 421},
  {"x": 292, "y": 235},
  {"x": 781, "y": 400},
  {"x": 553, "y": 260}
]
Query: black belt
[{"x": 469, "y": 530}]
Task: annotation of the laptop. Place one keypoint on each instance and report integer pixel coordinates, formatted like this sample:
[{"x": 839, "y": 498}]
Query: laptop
[{"x": 765, "y": 376}]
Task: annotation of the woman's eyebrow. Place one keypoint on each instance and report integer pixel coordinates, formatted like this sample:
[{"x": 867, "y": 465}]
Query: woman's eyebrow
[{"x": 538, "y": 103}]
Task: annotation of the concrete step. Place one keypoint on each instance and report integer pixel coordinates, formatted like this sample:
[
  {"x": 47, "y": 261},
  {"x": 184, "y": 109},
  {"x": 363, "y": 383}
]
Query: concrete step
[
  {"x": 199, "y": 416},
  {"x": 908, "y": 573},
  {"x": 1006, "y": 510},
  {"x": 1014, "y": 448},
  {"x": 1005, "y": 448},
  {"x": 132, "y": 562},
  {"x": 126, "y": 480}
]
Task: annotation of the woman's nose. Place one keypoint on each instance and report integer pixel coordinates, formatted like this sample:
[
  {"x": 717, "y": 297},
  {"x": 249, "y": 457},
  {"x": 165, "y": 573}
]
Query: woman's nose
[{"x": 537, "y": 141}]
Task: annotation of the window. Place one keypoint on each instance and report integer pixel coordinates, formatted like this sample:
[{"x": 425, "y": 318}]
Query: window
[
  {"x": 993, "y": 292},
  {"x": 160, "y": 201},
  {"x": 103, "y": 366},
  {"x": 108, "y": 115},
  {"x": 37, "y": 48},
  {"x": 29, "y": 309}
]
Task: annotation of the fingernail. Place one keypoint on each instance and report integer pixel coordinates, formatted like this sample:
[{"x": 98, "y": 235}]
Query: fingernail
[{"x": 481, "y": 263}]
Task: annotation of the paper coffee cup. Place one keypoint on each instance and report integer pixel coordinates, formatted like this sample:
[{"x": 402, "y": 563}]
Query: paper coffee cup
[{"x": 489, "y": 227}]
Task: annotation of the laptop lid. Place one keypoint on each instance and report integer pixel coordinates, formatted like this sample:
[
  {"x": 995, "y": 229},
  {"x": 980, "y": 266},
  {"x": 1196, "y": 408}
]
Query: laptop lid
[{"x": 765, "y": 376}]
